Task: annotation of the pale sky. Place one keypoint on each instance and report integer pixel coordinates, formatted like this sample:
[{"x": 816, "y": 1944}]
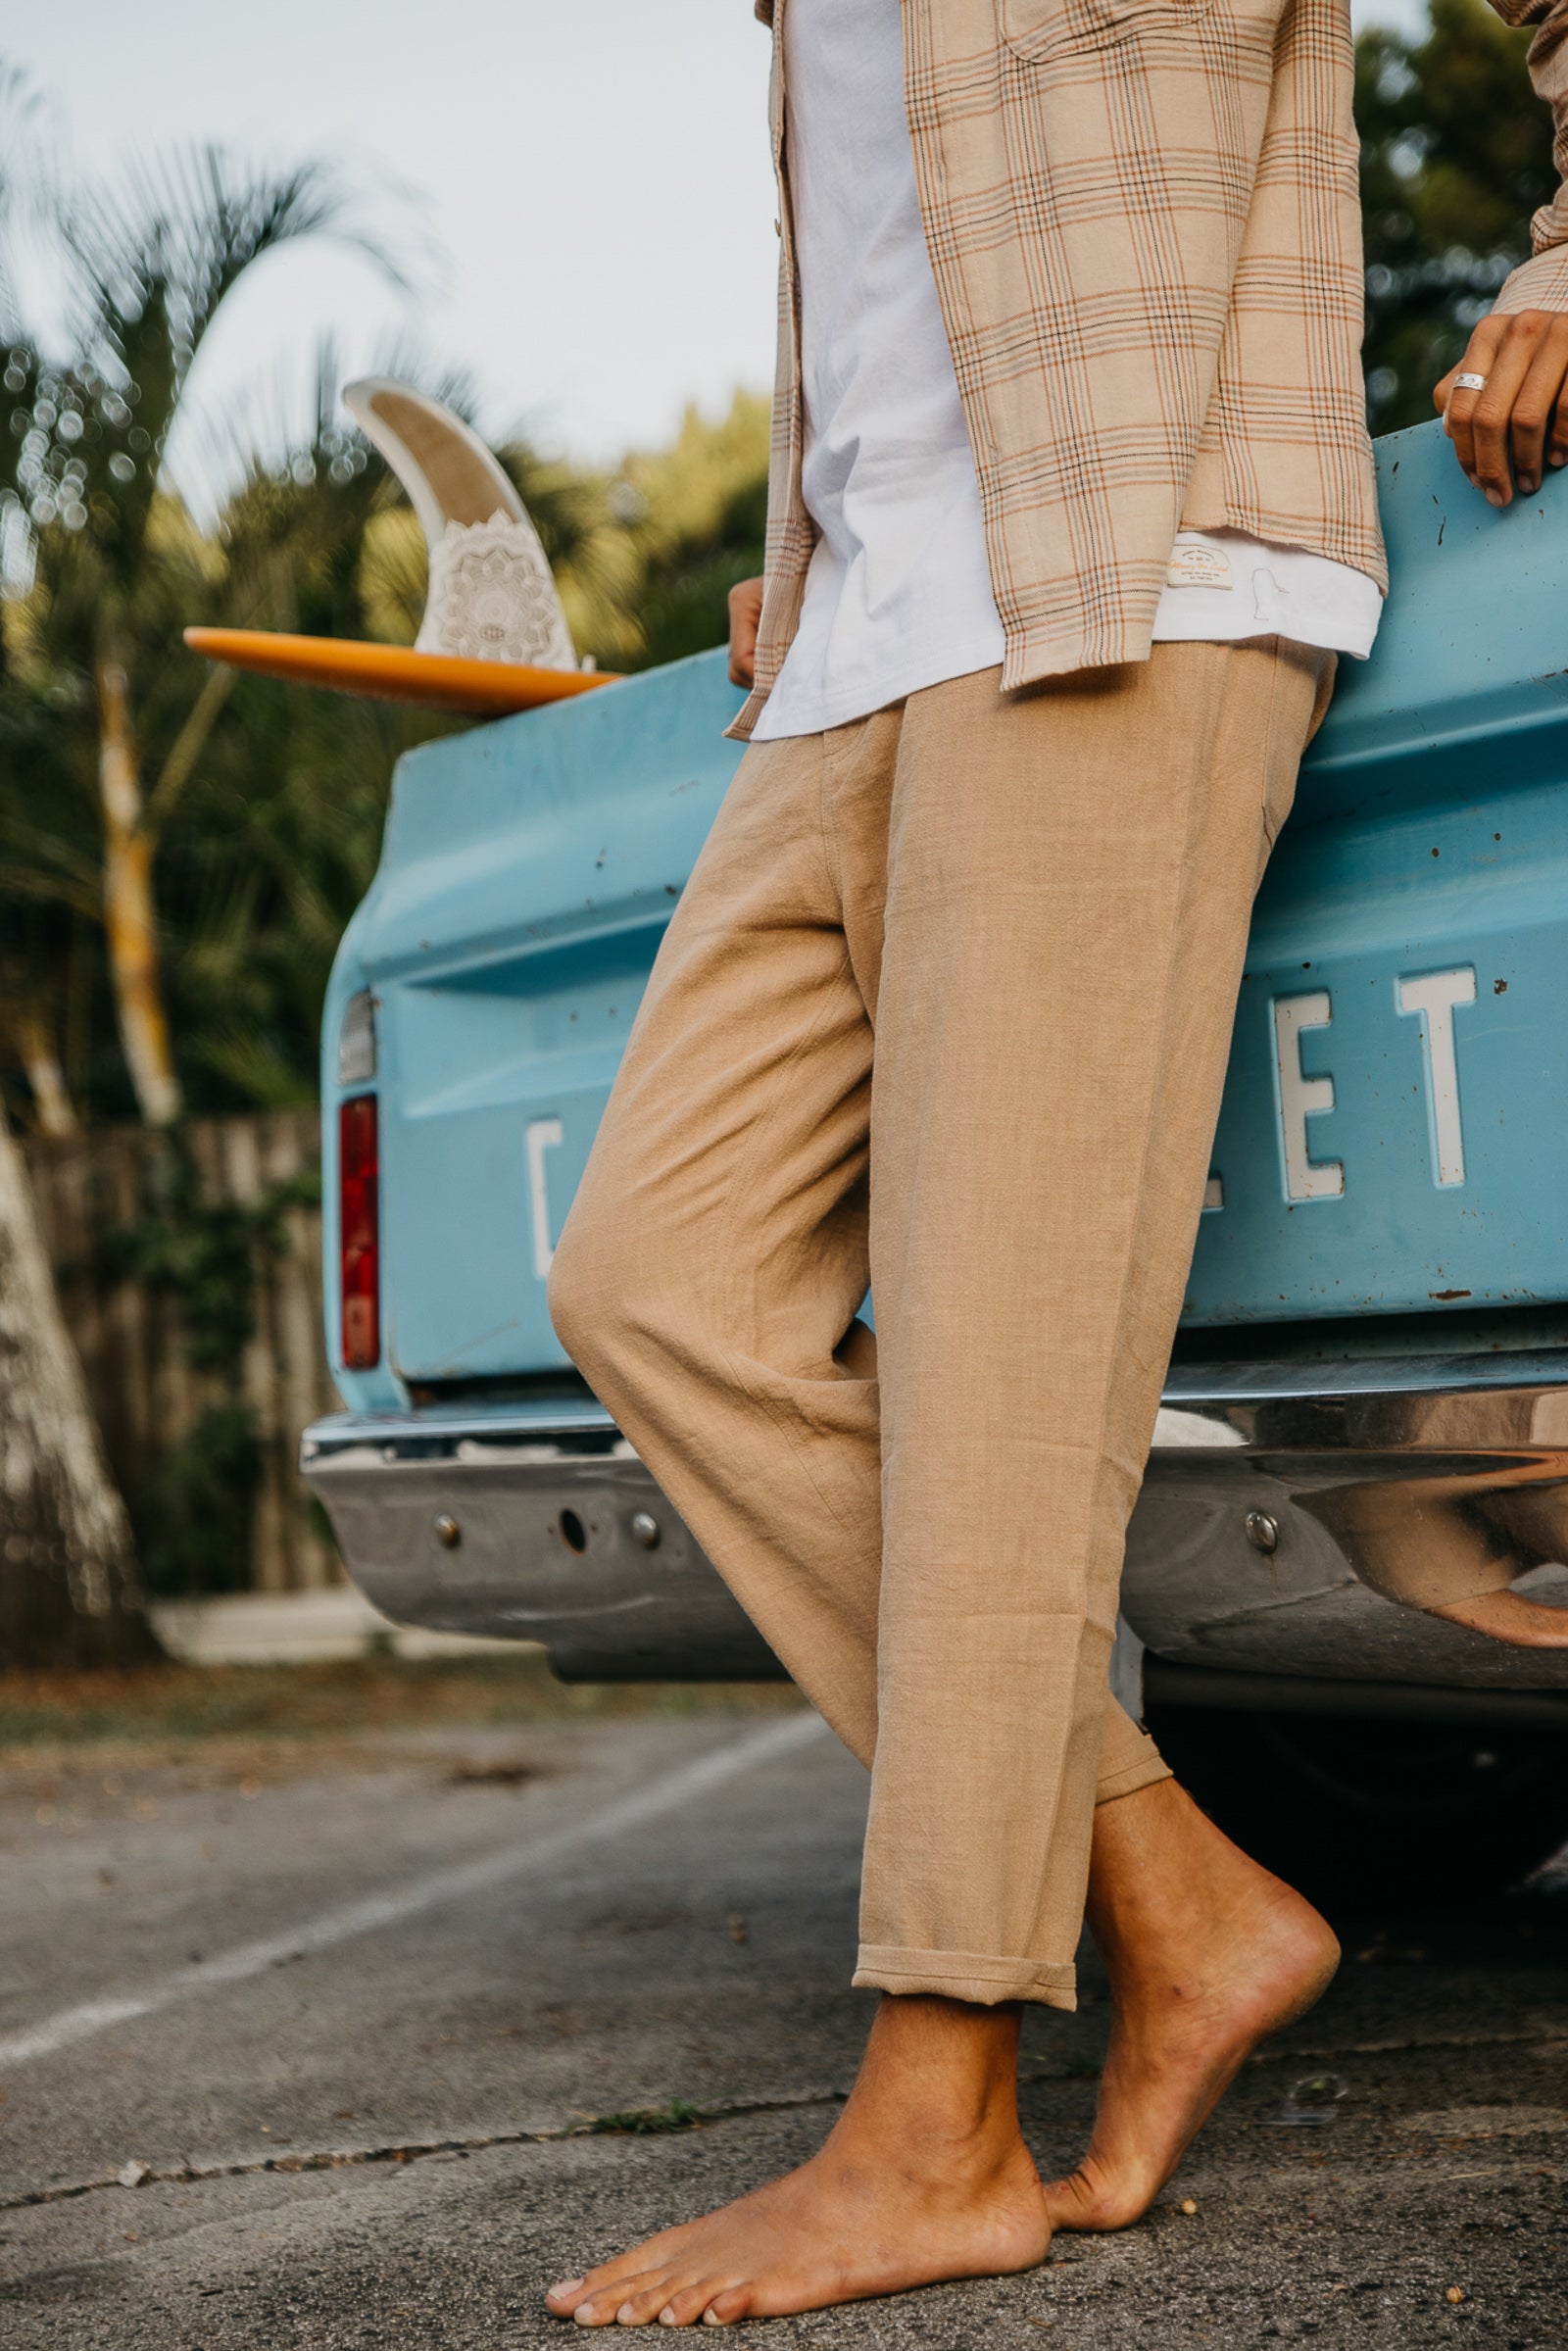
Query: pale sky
[{"x": 581, "y": 186}]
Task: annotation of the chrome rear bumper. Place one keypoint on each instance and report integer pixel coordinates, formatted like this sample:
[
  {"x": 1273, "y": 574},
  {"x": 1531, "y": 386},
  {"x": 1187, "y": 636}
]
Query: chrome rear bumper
[
  {"x": 1300, "y": 1520},
  {"x": 523, "y": 1522}
]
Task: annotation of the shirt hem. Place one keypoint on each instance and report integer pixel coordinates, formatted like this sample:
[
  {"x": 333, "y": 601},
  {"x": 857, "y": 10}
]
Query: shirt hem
[{"x": 842, "y": 710}]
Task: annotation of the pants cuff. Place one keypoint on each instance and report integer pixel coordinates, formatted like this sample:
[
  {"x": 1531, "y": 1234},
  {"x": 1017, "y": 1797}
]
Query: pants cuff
[
  {"x": 980, "y": 1978},
  {"x": 1146, "y": 1772}
]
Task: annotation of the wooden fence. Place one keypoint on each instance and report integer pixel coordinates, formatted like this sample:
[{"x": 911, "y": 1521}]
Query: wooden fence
[{"x": 135, "y": 1334}]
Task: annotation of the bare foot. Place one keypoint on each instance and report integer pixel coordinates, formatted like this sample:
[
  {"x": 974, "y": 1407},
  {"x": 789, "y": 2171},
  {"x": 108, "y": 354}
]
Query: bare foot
[
  {"x": 924, "y": 2177},
  {"x": 1208, "y": 1955}
]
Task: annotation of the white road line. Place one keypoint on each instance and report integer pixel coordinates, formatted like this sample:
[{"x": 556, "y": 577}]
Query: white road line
[{"x": 454, "y": 1885}]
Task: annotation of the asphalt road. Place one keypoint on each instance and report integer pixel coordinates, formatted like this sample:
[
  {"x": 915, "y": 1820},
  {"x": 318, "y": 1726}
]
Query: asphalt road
[{"x": 345, "y": 2025}]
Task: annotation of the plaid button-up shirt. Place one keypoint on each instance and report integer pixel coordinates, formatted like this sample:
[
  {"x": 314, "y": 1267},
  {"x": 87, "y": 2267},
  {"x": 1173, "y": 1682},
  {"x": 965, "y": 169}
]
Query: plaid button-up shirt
[{"x": 1143, "y": 220}]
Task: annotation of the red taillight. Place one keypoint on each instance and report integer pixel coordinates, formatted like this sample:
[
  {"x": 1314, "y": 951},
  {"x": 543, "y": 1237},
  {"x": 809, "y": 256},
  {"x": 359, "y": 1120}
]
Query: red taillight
[{"x": 358, "y": 1233}]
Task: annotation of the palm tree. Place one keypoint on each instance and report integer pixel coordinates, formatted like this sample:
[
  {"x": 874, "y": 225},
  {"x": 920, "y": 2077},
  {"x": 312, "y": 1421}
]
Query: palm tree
[
  {"x": 102, "y": 566},
  {"x": 114, "y": 564},
  {"x": 68, "y": 1576}
]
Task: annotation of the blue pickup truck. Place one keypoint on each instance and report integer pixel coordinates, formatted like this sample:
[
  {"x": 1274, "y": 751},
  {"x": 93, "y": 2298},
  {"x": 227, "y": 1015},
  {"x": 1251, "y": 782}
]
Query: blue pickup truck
[{"x": 1345, "y": 1600}]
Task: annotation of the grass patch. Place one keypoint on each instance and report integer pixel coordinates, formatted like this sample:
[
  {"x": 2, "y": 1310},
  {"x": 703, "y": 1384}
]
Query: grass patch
[{"x": 167, "y": 1701}]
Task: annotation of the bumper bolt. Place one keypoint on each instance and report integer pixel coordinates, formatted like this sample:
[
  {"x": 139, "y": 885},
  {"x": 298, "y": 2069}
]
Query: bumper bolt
[
  {"x": 448, "y": 1532},
  {"x": 1262, "y": 1532},
  {"x": 646, "y": 1528}
]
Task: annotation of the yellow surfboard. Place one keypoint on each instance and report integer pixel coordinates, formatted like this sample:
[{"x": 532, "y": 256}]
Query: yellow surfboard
[{"x": 437, "y": 681}]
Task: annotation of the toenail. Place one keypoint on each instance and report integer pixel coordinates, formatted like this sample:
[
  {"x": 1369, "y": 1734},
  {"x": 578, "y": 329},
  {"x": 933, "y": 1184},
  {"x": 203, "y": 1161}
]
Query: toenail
[{"x": 566, "y": 2286}]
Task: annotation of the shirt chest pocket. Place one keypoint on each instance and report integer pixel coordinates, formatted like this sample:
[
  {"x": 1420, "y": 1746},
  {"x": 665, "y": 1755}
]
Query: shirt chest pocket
[{"x": 1038, "y": 28}]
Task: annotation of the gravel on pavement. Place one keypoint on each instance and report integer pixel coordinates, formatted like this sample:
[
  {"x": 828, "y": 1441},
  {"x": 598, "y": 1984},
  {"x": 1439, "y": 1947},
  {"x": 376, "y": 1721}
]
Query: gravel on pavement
[{"x": 365, "y": 2041}]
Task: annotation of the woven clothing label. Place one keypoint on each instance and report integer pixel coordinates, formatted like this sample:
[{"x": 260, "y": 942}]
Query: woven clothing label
[{"x": 1198, "y": 567}]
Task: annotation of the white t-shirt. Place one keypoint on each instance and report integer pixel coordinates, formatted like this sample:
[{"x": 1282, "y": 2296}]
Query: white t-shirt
[{"x": 899, "y": 592}]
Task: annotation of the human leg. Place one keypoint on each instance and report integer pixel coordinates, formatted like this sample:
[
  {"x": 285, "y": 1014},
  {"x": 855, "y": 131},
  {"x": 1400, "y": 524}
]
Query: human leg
[
  {"x": 924, "y": 2177},
  {"x": 1208, "y": 1955},
  {"x": 1207, "y": 1952},
  {"x": 709, "y": 1274},
  {"x": 1069, "y": 881},
  {"x": 705, "y": 1284},
  {"x": 707, "y": 1278}
]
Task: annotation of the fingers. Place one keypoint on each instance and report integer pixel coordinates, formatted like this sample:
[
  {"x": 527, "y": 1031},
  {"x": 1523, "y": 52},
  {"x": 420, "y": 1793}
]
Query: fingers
[
  {"x": 1557, "y": 438},
  {"x": 1501, "y": 433},
  {"x": 1476, "y": 422},
  {"x": 1534, "y": 410},
  {"x": 1491, "y": 414},
  {"x": 1458, "y": 407},
  {"x": 1526, "y": 350},
  {"x": 745, "y": 615}
]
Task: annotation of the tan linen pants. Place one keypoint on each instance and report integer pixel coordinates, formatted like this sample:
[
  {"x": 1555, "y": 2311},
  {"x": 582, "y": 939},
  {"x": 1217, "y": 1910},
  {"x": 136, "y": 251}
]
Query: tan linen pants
[{"x": 945, "y": 1004}]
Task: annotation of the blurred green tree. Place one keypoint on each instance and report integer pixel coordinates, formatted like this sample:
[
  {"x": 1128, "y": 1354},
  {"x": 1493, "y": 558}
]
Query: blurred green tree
[
  {"x": 110, "y": 561},
  {"x": 696, "y": 515},
  {"x": 1455, "y": 155}
]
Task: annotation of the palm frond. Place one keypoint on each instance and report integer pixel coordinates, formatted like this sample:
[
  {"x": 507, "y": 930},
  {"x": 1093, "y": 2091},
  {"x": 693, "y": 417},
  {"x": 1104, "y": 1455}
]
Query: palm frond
[
  {"x": 155, "y": 253},
  {"x": 28, "y": 175}
]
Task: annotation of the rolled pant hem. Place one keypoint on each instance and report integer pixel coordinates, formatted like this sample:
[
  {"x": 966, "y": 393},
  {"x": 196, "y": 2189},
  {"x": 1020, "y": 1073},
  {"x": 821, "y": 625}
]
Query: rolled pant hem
[
  {"x": 1147, "y": 1773},
  {"x": 981, "y": 1979}
]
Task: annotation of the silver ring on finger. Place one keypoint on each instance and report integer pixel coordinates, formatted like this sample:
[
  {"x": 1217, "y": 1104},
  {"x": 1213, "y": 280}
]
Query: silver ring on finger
[{"x": 1469, "y": 383}]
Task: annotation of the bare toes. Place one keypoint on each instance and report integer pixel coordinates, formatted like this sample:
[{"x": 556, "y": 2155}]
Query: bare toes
[
  {"x": 642, "y": 2298},
  {"x": 686, "y": 2306},
  {"x": 593, "y": 2300},
  {"x": 725, "y": 2308},
  {"x": 1092, "y": 2199},
  {"x": 600, "y": 2309}
]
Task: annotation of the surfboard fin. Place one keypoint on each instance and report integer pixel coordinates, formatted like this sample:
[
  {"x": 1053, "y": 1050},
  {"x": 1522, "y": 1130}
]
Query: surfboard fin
[{"x": 492, "y": 596}]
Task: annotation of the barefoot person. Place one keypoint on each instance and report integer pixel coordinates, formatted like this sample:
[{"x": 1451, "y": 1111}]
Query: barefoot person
[{"x": 1071, "y": 514}]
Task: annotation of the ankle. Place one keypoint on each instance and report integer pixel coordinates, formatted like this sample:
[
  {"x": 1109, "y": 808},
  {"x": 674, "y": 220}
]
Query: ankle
[
  {"x": 1180, "y": 1914},
  {"x": 1161, "y": 1868},
  {"x": 941, "y": 2076}
]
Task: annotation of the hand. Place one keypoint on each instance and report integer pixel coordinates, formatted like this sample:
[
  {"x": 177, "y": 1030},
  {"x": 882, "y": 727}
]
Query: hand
[
  {"x": 745, "y": 611},
  {"x": 1522, "y": 413}
]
